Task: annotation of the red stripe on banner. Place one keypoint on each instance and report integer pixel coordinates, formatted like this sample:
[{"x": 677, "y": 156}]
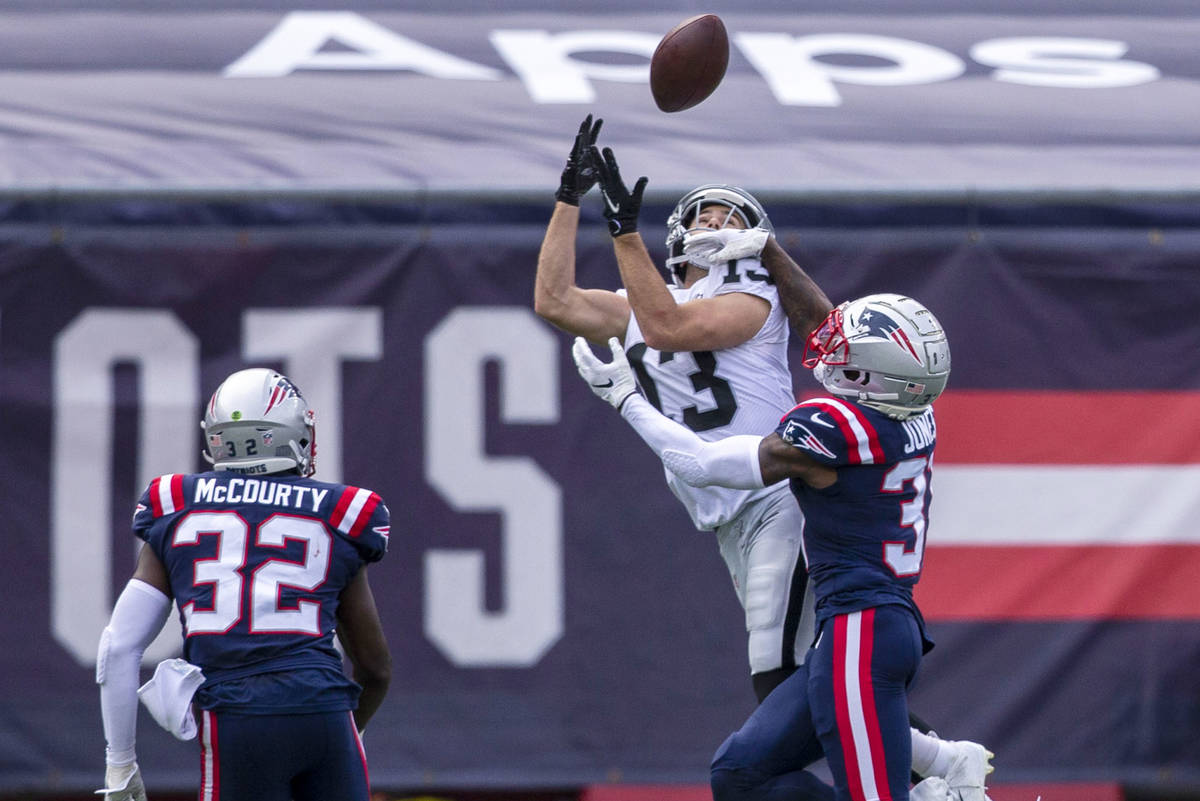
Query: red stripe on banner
[
  {"x": 986, "y": 427},
  {"x": 364, "y": 514},
  {"x": 1061, "y": 582}
]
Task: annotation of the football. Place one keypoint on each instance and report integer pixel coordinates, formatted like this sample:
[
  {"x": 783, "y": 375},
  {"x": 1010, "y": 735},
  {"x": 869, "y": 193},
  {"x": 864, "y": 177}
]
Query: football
[{"x": 689, "y": 63}]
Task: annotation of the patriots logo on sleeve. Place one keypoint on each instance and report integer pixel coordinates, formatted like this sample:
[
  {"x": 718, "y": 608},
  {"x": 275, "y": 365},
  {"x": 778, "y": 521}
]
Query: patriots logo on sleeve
[
  {"x": 795, "y": 433},
  {"x": 833, "y": 430}
]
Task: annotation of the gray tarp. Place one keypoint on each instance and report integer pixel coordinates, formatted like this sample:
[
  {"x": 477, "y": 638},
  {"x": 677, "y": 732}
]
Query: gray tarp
[{"x": 906, "y": 98}]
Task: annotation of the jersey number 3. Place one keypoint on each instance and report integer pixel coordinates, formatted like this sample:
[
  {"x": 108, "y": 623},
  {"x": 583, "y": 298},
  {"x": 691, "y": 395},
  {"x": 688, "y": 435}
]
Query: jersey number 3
[
  {"x": 703, "y": 379},
  {"x": 904, "y": 562},
  {"x": 224, "y": 573}
]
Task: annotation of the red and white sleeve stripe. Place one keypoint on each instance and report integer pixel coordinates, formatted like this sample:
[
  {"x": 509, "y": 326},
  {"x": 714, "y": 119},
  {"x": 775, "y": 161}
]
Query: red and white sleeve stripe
[
  {"x": 862, "y": 441},
  {"x": 166, "y": 494},
  {"x": 353, "y": 510}
]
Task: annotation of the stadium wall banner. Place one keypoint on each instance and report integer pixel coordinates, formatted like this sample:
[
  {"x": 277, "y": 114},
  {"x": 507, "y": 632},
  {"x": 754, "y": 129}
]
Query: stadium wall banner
[
  {"x": 554, "y": 620},
  {"x": 370, "y": 96}
]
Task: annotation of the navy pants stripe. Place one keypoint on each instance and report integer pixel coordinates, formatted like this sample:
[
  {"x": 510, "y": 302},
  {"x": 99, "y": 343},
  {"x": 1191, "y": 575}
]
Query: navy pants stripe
[{"x": 859, "y": 677}]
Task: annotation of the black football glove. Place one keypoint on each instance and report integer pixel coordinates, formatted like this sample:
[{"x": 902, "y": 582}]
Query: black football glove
[
  {"x": 579, "y": 175},
  {"x": 621, "y": 206}
]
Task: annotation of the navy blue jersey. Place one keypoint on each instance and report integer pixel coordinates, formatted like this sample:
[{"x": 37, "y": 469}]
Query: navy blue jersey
[
  {"x": 257, "y": 566},
  {"x": 864, "y": 536}
]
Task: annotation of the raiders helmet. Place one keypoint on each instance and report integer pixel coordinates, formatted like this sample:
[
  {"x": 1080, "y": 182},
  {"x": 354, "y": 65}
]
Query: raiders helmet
[
  {"x": 258, "y": 422},
  {"x": 886, "y": 351},
  {"x": 738, "y": 201}
]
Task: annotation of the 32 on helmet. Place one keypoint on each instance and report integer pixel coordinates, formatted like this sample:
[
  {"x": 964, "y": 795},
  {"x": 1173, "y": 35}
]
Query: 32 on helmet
[
  {"x": 682, "y": 219},
  {"x": 887, "y": 351},
  {"x": 258, "y": 422}
]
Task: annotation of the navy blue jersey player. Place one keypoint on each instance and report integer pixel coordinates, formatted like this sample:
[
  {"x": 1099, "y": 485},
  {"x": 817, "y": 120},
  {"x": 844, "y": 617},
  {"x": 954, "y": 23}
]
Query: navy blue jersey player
[
  {"x": 264, "y": 563},
  {"x": 859, "y": 464}
]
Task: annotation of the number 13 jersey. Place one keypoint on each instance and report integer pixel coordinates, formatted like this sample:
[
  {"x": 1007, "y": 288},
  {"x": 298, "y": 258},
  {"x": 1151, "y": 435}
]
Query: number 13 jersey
[{"x": 740, "y": 390}]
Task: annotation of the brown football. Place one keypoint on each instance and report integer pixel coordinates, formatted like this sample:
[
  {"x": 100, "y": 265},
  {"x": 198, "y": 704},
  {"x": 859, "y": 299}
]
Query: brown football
[{"x": 689, "y": 63}]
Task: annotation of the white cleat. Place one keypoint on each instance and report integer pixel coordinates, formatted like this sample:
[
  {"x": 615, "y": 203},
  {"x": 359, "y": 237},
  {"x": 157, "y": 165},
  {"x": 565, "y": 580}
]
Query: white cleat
[
  {"x": 932, "y": 789},
  {"x": 968, "y": 771}
]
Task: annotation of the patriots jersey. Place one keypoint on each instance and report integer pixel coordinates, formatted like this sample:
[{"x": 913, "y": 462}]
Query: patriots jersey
[
  {"x": 717, "y": 394},
  {"x": 864, "y": 536},
  {"x": 256, "y": 566}
]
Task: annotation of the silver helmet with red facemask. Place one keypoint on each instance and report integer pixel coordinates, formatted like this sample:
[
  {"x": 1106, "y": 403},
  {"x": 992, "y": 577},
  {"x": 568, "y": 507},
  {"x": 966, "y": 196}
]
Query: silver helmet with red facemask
[
  {"x": 886, "y": 351},
  {"x": 741, "y": 205},
  {"x": 258, "y": 422}
]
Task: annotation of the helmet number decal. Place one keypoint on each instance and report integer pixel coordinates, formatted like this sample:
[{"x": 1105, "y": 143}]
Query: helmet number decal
[
  {"x": 705, "y": 379},
  {"x": 251, "y": 449}
]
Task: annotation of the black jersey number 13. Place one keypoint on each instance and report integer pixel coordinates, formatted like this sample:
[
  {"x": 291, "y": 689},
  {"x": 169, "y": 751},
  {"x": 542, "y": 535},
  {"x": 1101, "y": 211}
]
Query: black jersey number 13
[{"x": 702, "y": 379}]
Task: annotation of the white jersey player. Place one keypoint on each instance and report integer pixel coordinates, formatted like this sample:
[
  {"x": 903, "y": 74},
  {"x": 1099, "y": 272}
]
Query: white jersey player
[
  {"x": 711, "y": 352},
  {"x": 738, "y": 390}
]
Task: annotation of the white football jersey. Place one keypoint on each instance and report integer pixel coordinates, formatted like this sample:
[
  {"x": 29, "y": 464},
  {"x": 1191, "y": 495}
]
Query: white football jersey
[{"x": 740, "y": 390}]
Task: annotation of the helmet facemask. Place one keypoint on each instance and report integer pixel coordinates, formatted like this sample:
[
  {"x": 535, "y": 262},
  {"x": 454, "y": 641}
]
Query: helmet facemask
[{"x": 682, "y": 220}]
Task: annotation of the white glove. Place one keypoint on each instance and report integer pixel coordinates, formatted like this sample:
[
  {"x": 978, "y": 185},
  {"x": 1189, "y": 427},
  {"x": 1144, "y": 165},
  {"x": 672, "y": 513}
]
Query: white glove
[
  {"x": 932, "y": 789},
  {"x": 123, "y": 783},
  {"x": 713, "y": 249},
  {"x": 612, "y": 382}
]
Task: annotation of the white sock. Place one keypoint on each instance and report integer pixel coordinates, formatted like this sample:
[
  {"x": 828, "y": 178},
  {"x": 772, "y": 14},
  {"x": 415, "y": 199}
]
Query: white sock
[{"x": 931, "y": 756}]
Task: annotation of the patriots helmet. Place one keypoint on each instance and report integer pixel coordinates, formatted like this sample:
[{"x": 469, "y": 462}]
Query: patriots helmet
[
  {"x": 886, "y": 351},
  {"x": 741, "y": 204},
  {"x": 258, "y": 422}
]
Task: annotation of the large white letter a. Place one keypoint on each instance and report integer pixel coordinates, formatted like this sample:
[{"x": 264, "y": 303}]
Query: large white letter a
[{"x": 297, "y": 42}]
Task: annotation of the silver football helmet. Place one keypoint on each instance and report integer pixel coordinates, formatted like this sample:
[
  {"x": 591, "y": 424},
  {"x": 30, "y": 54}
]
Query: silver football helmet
[
  {"x": 258, "y": 422},
  {"x": 887, "y": 351},
  {"x": 683, "y": 217}
]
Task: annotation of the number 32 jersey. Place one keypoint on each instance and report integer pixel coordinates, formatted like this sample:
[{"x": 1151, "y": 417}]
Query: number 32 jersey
[
  {"x": 257, "y": 566},
  {"x": 740, "y": 390},
  {"x": 864, "y": 536}
]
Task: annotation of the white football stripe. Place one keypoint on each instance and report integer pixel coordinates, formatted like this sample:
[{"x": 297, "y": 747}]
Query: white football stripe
[{"x": 1065, "y": 505}]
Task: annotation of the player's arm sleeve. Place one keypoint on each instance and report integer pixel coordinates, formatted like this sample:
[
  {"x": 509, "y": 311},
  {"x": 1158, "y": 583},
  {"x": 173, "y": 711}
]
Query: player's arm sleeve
[
  {"x": 731, "y": 462},
  {"x": 138, "y": 616}
]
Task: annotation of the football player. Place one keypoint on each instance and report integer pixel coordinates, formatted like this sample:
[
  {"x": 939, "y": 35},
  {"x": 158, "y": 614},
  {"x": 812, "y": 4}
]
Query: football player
[
  {"x": 859, "y": 464},
  {"x": 710, "y": 350},
  {"x": 263, "y": 562}
]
